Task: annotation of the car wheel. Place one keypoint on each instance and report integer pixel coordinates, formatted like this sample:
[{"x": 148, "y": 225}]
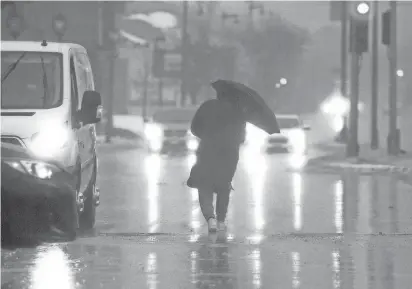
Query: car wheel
[
  {"x": 88, "y": 217},
  {"x": 73, "y": 223},
  {"x": 70, "y": 221}
]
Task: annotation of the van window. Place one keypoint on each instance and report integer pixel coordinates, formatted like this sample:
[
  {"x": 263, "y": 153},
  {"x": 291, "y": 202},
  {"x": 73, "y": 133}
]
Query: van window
[
  {"x": 81, "y": 76},
  {"x": 31, "y": 80},
  {"x": 74, "y": 89},
  {"x": 88, "y": 69}
]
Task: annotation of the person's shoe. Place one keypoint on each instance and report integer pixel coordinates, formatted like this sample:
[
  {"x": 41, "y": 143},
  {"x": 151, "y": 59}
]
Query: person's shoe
[
  {"x": 212, "y": 224},
  {"x": 221, "y": 226}
]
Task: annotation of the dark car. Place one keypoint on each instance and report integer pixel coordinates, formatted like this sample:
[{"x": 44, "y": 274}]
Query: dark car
[{"x": 37, "y": 197}]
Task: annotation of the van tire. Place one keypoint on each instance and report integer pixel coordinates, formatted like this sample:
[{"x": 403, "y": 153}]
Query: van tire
[
  {"x": 71, "y": 230},
  {"x": 88, "y": 217},
  {"x": 74, "y": 224}
]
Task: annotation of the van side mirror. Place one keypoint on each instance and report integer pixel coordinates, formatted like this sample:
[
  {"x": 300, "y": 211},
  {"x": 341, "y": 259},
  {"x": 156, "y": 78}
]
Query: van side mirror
[{"x": 91, "y": 110}]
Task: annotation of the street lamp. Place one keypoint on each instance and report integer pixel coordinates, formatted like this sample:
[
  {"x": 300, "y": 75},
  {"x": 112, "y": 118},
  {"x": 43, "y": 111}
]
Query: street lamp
[
  {"x": 362, "y": 8},
  {"x": 157, "y": 50},
  {"x": 59, "y": 26},
  {"x": 400, "y": 73}
]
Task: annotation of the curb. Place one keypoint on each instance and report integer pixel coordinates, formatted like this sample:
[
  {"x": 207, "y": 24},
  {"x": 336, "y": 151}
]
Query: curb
[
  {"x": 368, "y": 167},
  {"x": 403, "y": 173},
  {"x": 120, "y": 135},
  {"x": 101, "y": 142}
]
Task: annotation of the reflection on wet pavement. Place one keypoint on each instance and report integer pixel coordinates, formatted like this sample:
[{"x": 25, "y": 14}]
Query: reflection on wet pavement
[
  {"x": 291, "y": 263},
  {"x": 286, "y": 229}
]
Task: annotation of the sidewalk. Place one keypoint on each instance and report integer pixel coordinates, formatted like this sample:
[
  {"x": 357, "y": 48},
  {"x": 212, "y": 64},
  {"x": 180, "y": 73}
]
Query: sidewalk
[
  {"x": 127, "y": 129},
  {"x": 124, "y": 126},
  {"x": 369, "y": 161}
]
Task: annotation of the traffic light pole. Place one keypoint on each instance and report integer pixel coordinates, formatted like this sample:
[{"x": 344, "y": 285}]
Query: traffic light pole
[
  {"x": 353, "y": 146},
  {"x": 375, "y": 80},
  {"x": 108, "y": 14},
  {"x": 393, "y": 136},
  {"x": 352, "y": 149},
  {"x": 109, "y": 124},
  {"x": 344, "y": 62},
  {"x": 183, "y": 48},
  {"x": 145, "y": 86}
]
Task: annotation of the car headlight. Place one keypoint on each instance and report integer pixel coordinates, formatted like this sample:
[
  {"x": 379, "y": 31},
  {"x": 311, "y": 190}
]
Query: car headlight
[
  {"x": 336, "y": 106},
  {"x": 337, "y": 123},
  {"x": 37, "y": 169},
  {"x": 156, "y": 145},
  {"x": 153, "y": 131},
  {"x": 192, "y": 144},
  {"x": 49, "y": 141},
  {"x": 297, "y": 139},
  {"x": 254, "y": 135}
]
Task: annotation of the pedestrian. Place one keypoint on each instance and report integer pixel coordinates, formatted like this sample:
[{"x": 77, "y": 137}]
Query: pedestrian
[{"x": 221, "y": 128}]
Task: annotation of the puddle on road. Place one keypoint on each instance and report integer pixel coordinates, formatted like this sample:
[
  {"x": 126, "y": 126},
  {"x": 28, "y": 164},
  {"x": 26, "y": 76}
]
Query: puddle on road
[{"x": 212, "y": 262}]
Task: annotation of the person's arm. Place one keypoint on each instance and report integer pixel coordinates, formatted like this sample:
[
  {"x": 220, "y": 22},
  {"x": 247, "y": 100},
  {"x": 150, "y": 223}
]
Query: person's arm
[{"x": 198, "y": 122}]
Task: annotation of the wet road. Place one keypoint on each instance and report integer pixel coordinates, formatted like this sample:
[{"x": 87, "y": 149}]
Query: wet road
[{"x": 286, "y": 229}]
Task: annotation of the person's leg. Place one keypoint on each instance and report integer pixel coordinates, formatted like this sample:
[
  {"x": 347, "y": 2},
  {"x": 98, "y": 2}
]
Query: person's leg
[
  {"x": 206, "y": 203},
  {"x": 222, "y": 203}
]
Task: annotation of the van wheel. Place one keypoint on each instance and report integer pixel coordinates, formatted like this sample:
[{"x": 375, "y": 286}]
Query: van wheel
[
  {"x": 71, "y": 226},
  {"x": 88, "y": 217}
]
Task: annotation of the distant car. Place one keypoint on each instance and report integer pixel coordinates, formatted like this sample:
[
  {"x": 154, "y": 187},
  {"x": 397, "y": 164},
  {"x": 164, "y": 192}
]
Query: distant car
[
  {"x": 37, "y": 196},
  {"x": 170, "y": 129},
  {"x": 292, "y": 136}
]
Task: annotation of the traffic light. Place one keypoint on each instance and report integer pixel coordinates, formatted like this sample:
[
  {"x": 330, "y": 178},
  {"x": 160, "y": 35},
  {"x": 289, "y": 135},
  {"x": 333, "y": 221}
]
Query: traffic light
[
  {"x": 359, "y": 27},
  {"x": 386, "y": 27}
]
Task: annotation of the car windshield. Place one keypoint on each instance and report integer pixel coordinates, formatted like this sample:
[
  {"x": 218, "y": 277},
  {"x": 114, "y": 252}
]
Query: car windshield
[
  {"x": 31, "y": 80},
  {"x": 286, "y": 123},
  {"x": 174, "y": 116}
]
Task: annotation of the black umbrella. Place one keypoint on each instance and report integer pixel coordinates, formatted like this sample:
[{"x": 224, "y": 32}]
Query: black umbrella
[{"x": 256, "y": 110}]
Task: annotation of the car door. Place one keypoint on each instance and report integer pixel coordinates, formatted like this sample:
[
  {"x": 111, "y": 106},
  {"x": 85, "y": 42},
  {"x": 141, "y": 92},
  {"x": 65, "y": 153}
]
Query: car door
[
  {"x": 81, "y": 130},
  {"x": 89, "y": 129},
  {"x": 74, "y": 104}
]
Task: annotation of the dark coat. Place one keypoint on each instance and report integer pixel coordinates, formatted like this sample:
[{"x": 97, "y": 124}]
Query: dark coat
[{"x": 221, "y": 130}]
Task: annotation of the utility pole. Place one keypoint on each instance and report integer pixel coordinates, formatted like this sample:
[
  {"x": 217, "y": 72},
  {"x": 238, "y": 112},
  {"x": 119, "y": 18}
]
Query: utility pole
[
  {"x": 352, "y": 145},
  {"x": 394, "y": 134},
  {"x": 344, "y": 63},
  {"x": 159, "y": 51},
  {"x": 375, "y": 78},
  {"x": 359, "y": 27},
  {"x": 145, "y": 85},
  {"x": 184, "y": 50},
  {"x": 110, "y": 46},
  {"x": 160, "y": 90}
]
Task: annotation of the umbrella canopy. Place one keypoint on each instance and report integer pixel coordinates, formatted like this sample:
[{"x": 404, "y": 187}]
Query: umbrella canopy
[{"x": 254, "y": 106}]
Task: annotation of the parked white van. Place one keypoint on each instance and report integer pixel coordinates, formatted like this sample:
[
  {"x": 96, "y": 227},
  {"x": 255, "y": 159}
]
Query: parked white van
[{"x": 49, "y": 105}]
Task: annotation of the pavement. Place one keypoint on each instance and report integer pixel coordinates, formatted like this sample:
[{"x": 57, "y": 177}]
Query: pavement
[
  {"x": 287, "y": 228},
  {"x": 369, "y": 161}
]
